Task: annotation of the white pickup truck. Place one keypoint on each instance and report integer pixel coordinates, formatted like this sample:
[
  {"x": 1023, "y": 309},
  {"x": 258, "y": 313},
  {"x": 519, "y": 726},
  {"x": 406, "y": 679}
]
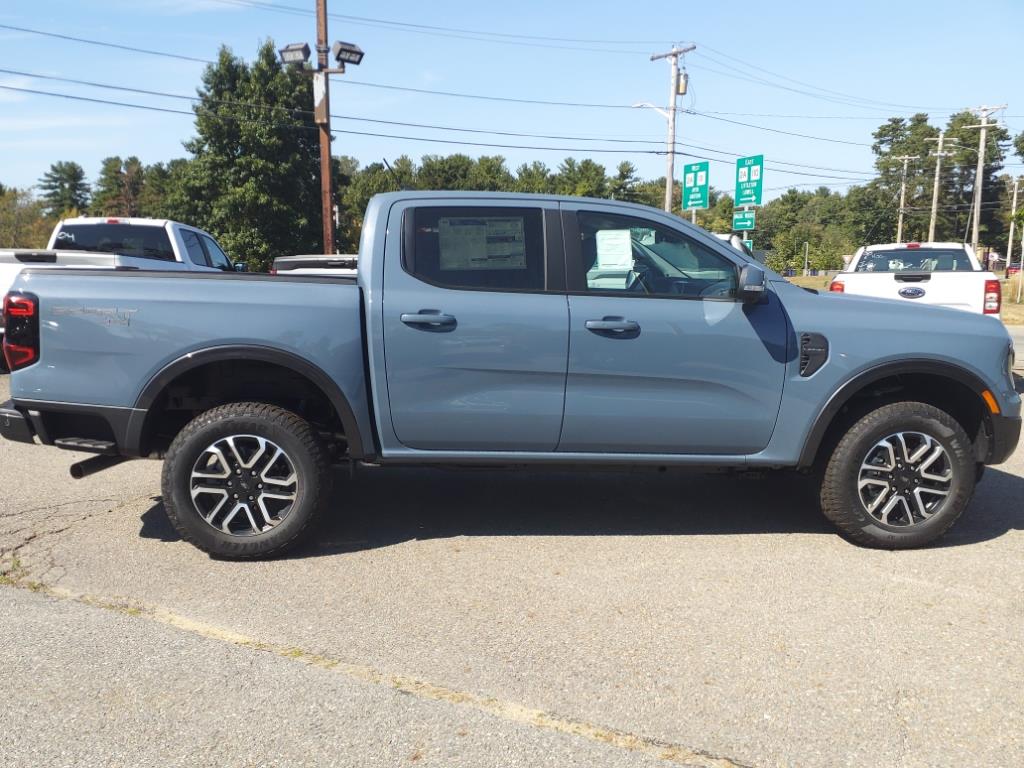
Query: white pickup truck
[
  {"x": 118, "y": 243},
  {"x": 940, "y": 274}
]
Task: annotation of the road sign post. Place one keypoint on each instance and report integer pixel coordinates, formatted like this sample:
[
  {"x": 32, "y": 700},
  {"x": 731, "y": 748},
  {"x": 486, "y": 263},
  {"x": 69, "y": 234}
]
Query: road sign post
[
  {"x": 695, "y": 186},
  {"x": 749, "y": 173},
  {"x": 742, "y": 220}
]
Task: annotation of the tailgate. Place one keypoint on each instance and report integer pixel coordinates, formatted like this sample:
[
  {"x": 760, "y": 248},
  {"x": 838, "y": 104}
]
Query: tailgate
[{"x": 956, "y": 290}]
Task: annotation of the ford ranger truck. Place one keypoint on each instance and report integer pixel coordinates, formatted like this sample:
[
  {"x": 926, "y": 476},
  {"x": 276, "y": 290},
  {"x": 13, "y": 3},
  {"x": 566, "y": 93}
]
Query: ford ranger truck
[
  {"x": 940, "y": 274},
  {"x": 507, "y": 330}
]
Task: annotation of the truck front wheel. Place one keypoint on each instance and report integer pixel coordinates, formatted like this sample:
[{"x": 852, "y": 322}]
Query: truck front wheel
[
  {"x": 900, "y": 477},
  {"x": 245, "y": 480}
]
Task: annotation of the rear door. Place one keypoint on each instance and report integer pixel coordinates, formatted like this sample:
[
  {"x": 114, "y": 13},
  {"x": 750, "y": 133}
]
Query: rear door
[
  {"x": 476, "y": 325},
  {"x": 662, "y": 356}
]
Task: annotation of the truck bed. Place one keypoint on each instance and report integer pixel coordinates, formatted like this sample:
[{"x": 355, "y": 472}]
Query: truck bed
[{"x": 105, "y": 335}]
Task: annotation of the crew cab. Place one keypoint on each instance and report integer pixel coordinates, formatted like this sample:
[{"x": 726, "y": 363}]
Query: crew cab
[
  {"x": 510, "y": 330},
  {"x": 118, "y": 243},
  {"x": 940, "y": 274}
]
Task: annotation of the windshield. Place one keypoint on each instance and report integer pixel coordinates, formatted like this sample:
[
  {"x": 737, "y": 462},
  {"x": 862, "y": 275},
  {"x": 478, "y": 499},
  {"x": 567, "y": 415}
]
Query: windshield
[
  {"x": 914, "y": 260},
  {"x": 124, "y": 239}
]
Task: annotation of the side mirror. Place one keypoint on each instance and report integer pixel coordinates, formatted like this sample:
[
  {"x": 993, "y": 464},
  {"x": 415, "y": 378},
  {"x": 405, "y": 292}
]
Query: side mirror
[
  {"x": 752, "y": 284},
  {"x": 241, "y": 266}
]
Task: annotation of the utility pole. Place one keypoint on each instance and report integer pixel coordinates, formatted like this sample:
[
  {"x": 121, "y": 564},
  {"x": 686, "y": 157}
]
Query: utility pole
[
  {"x": 322, "y": 115},
  {"x": 673, "y": 60},
  {"x": 984, "y": 113},
  {"x": 1013, "y": 224},
  {"x": 903, "y": 194},
  {"x": 807, "y": 248},
  {"x": 938, "y": 154}
]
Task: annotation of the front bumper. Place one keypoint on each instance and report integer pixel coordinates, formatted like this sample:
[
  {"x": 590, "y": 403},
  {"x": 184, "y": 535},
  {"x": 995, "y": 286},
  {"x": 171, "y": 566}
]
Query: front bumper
[
  {"x": 14, "y": 425},
  {"x": 1005, "y": 435}
]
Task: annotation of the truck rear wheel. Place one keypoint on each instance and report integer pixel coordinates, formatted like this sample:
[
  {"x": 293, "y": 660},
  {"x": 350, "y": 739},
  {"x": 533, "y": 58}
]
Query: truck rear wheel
[
  {"x": 900, "y": 477},
  {"x": 245, "y": 481}
]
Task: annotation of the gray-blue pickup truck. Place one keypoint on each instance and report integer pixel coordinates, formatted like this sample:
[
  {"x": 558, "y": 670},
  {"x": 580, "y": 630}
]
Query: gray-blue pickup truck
[{"x": 503, "y": 329}]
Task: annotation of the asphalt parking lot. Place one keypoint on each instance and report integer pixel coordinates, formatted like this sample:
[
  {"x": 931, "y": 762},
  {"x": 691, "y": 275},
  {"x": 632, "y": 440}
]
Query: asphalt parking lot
[{"x": 506, "y": 619}]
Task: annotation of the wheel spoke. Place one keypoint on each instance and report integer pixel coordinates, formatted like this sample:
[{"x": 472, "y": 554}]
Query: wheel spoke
[
  {"x": 928, "y": 462},
  {"x": 905, "y": 479},
  {"x": 217, "y": 479},
  {"x": 216, "y": 452}
]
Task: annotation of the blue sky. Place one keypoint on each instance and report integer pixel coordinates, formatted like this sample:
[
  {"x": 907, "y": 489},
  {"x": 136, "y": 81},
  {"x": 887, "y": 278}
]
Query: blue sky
[{"x": 790, "y": 58}]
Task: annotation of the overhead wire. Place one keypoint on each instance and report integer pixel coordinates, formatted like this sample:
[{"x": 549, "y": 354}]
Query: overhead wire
[{"x": 164, "y": 94}]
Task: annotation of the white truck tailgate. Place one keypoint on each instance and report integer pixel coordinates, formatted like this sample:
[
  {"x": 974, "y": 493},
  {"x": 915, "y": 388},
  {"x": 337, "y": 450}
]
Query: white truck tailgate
[{"x": 958, "y": 290}]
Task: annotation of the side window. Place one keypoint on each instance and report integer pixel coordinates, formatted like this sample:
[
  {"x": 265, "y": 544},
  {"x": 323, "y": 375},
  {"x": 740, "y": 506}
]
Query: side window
[
  {"x": 218, "y": 258},
  {"x": 623, "y": 254},
  {"x": 498, "y": 249},
  {"x": 194, "y": 248}
]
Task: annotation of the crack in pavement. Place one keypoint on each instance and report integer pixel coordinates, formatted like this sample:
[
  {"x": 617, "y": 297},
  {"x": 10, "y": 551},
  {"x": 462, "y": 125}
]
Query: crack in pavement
[
  {"x": 12, "y": 568},
  {"x": 513, "y": 712}
]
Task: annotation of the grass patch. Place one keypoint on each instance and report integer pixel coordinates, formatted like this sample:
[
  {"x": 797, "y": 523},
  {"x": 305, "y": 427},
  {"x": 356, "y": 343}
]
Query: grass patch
[{"x": 1012, "y": 314}]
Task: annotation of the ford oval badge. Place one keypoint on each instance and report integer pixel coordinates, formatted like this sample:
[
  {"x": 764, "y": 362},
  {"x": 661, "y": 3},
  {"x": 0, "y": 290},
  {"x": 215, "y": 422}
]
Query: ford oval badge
[{"x": 912, "y": 292}]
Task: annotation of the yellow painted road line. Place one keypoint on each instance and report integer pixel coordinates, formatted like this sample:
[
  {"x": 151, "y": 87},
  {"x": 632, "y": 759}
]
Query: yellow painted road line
[{"x": 506, "y": 710}]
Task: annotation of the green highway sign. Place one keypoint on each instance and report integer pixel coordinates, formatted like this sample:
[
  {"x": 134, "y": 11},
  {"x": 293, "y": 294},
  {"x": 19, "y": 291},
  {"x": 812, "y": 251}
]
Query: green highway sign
[
  {"x": 749, "y": 244},
  {"x": 749, "y": 173},
  {"x": 742, "y": 220},
  {"x": 695, "y": 186}
]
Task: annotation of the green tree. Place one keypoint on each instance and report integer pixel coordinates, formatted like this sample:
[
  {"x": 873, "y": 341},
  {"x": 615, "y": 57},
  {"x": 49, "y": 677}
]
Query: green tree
[
  {"x": 451, "y": 172},
  {"x": 583, "y": 179},
  {"x": 253, "y": 180},
  {"x": 119, "y": 187},
  {"x": 623, "y": 185},
  {"x": 535, "y": 177},
  {"x": 64, "y": 188},
  {"x": 23, "y": 220}
]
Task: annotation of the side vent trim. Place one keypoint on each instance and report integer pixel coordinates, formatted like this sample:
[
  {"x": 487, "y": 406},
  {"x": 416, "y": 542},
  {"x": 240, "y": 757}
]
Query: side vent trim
[{"x": 813, "y": 353}]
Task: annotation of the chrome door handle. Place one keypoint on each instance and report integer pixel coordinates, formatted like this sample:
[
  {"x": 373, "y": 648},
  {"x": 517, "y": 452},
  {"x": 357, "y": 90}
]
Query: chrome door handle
[
  {"x": 612, "y": 324},
  {"x": 428, "y": 318}
]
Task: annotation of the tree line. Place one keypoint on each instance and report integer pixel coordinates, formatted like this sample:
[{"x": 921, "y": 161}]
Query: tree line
[{"x": 251, "y": 177}]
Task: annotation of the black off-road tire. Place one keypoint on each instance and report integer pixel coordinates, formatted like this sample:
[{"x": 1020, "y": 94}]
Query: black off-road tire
[
  {"x": 840, "y": 499},
  {"x": 287, "y": 430}
]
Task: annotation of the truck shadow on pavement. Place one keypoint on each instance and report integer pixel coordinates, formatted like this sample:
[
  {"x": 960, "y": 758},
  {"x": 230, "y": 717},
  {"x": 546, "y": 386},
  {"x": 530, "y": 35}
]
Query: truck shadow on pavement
[{"x": 382, "y": 507}]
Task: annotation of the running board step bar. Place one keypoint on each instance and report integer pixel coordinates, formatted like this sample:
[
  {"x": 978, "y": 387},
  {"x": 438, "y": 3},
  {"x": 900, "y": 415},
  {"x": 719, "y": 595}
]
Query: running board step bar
[{"x": 87, "y": 445}]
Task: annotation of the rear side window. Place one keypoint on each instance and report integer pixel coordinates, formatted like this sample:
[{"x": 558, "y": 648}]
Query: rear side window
[
  {"x": 914, "y": 260},
  {"x": 499, "y": 249},
  {"x": 194, "y": 248},
  {"x": 218, "y": 258},
  {"x": 125, "y": 239}
]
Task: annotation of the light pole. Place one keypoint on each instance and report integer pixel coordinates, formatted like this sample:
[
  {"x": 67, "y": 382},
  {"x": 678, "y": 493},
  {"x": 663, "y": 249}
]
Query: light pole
[
  {"x": 297, "y": 55},
  {"x": 677, "y": 86}
]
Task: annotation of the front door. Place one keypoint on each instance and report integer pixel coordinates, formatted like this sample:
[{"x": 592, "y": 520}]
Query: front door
[
  {"x": 662, "y": 356},
  {"x": 476, "y": 326}
]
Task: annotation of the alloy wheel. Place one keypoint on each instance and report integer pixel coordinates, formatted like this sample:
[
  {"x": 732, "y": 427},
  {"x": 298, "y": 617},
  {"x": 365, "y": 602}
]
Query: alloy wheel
[
  {"x": 243, "y": 485},
  {"x": 905, "y": 479}
]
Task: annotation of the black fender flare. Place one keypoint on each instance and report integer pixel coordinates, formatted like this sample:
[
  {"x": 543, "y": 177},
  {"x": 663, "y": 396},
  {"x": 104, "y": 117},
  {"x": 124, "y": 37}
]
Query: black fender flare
[
  {"x": 852, "y": 386},
  {"x": 185, "y": 363}
]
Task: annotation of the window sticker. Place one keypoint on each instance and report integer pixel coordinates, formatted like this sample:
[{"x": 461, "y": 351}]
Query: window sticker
[
  {"x": 614, "y": 249},
  {"x": 489, "y": 242}
]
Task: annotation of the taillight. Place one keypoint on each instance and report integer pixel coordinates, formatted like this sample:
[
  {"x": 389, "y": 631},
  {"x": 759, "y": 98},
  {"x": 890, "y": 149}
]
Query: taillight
[
  {"x": 21, "y": 329},
  {"x": 993, "y": 297},
  {"x": 273, "y": 271},
  {"x": 836, "y": 286}
]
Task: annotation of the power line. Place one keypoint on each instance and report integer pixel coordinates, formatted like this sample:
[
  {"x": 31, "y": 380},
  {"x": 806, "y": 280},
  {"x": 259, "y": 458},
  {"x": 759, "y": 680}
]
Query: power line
[
  {"x": 531, "y": 41},
  {"x": 760, "y": 69},
  {"x": 493, "y": 145},
  {"x": 451, "y": 94},
  {"x": 427, "y": 126},
  {"x": 87, "y": 41}
]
